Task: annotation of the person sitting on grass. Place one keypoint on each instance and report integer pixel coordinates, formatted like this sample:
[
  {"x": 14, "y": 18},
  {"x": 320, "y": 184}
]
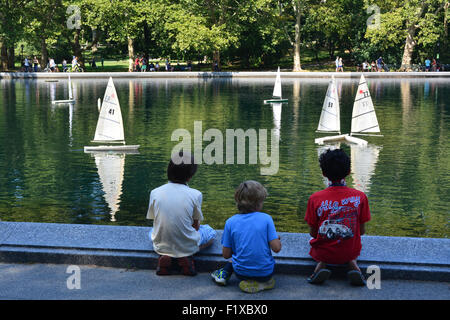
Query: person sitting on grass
[
  {"x": 248, "y": 239},
  {"x": 336, "y": 217},
  {"x": 176, "y": 212}
]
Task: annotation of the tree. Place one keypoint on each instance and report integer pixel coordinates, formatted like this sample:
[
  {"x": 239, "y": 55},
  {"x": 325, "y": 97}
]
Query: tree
[
  {"x": 45, "y": 25},
  {"x": 13, "y": 18},
  {"x": 407, "y": 24}
]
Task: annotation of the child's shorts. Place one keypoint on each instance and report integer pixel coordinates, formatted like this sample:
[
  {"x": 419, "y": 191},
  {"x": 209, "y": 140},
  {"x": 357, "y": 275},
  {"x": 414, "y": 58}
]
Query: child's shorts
[{"x": 206, "y": 234}]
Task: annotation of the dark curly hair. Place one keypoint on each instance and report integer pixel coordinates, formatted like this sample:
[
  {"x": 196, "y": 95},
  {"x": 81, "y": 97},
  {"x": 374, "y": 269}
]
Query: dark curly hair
[{"x": 335, "y": 164}]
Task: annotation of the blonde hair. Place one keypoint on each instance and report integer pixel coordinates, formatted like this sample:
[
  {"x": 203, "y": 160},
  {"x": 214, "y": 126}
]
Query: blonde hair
[{"x": 249, "y": 196}]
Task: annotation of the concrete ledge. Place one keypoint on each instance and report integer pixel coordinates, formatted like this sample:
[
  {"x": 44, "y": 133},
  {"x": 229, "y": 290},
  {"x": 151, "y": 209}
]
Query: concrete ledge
[
  {"x": 130, "y": 247},
  {"x": 206, "y": 75}
]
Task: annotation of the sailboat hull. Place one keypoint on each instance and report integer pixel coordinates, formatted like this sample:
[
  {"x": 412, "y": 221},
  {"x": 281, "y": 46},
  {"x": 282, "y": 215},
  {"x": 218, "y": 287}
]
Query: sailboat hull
[
  {"x": 63, "y": 101},
  {"x": 339, "y": 138},
  {"x": 112, "y": 148},
  {"x": 276, "y": 101}
]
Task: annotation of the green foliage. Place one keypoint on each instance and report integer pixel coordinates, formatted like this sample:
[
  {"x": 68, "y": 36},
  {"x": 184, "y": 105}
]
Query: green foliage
[{"x": 253, "y": 33}]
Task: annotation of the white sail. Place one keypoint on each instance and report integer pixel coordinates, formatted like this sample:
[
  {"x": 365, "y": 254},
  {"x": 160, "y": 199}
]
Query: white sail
[
  {"x": 330, "y": 117},
  {"x": 277, "y": 87},
  {"x": 110, "y": 168},
  {"x": 363, "y": 163},
  {"x": 110, "y": 124},
  {"x": 364, "y": 119},
  {"x": 70, "y": 90}
]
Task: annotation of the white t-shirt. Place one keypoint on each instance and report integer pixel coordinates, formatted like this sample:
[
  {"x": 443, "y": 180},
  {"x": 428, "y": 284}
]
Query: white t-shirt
[{"x": 174, "y": 207}]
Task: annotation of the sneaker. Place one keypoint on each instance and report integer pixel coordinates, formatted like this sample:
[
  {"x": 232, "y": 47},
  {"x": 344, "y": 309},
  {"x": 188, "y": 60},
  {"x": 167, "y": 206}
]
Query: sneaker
[
  {"x": 164, "y": 265},
  {"x": 252, "y": 286},
  {"x": 319, "y": 277},
  {"x": 221, "y": 276},
  {"x": 356, "y": 278},
  {"x": 187, "y": 266}
]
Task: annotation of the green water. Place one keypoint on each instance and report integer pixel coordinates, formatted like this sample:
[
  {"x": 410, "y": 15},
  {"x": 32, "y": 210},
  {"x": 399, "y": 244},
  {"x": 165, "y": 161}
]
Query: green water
[{"x": 46, "y": 177}]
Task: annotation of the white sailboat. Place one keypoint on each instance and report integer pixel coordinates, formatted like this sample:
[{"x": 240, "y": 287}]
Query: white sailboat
[
  {"x": 110, "y": 124},
  {"x": 71, "y": 99},
  {"x": 330, "y": 120},
  {"x": 364, "y": 119},
  {"x": 276, "y": 95}
]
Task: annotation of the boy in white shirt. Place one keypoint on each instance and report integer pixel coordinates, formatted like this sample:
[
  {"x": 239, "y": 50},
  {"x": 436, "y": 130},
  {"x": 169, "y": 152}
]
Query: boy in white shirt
[{"x": 176, "y": 212}]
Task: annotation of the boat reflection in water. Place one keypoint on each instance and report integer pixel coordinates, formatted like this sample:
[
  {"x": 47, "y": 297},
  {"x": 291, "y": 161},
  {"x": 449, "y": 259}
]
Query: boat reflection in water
[
  {"x": 363, "y": 163},
  {"x": 276, "y": 109},
  {"x": 110, "y": 166}
]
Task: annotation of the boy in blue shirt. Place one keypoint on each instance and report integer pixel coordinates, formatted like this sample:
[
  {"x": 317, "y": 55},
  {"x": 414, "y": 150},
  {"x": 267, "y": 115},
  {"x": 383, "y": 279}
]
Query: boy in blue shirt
[{"x": 248, "y": 239}]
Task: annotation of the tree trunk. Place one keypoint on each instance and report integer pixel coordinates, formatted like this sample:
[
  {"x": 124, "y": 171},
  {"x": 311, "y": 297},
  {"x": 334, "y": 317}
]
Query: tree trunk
[
  {"x": 410, "y": 43},
  {"x": 331, "y": 49},
  {"x": 297, "y": 64},
  {"x": 130, "y": 54},
  {"x": 216, "y": 59},
  {"x": 446, "y": 27},
  {"x": 11, "y": 56},
  {"x": 44, "y": 54},
  {"x": 4, "y": 57}
]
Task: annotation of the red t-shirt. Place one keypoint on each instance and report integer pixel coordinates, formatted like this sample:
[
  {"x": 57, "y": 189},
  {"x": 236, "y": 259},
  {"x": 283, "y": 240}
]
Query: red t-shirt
[{"x": 337, "y": 213}]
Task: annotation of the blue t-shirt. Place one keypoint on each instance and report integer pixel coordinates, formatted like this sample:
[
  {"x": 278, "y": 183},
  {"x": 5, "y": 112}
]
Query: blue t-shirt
[
  {"x": 427, "y": 63},
  {"x": 248, "y": 235}
]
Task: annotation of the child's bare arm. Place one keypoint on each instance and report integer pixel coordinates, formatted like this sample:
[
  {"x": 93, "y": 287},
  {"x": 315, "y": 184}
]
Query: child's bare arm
[
  {"x": 196, "y": 224},
  {"x": 362, "y": 228},
  {"x": 275, "y": 245},
  {"x": 226, "y": 252},
  {"x": 313, "y": 231}
]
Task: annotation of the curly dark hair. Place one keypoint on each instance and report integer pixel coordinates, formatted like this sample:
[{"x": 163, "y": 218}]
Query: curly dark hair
[{"x": 335, "y": 164}]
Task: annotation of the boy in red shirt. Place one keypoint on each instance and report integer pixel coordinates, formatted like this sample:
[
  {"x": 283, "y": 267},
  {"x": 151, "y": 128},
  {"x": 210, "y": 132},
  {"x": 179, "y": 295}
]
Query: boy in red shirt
[{"x": 336, "y": 217}]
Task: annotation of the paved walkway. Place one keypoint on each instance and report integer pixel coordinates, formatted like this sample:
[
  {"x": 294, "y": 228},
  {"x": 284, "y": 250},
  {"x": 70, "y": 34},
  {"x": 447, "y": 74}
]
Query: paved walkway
[{"x": 48, "y": 282}]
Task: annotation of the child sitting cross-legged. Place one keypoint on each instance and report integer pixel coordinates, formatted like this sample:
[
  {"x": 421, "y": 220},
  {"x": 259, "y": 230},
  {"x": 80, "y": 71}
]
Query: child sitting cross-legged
[
  {"x": 248, "y": 239},
  {"x": 175, "y": 209}
]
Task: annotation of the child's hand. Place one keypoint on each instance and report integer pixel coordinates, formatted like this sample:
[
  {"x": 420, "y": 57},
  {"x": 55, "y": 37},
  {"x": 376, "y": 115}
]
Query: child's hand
[{"x": 196, "y": 225}]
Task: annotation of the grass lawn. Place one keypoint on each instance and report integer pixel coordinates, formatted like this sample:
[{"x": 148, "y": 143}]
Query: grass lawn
[{"x": 308, "y": 59}]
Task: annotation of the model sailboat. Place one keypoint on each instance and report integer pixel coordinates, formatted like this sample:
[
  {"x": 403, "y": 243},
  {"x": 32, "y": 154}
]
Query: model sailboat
[
  {"x": 110, "y": 124},
  {"x": 276, "y": 95},
  {"x": 364, "y": 119},
  {"x": 71, "y": 99}
]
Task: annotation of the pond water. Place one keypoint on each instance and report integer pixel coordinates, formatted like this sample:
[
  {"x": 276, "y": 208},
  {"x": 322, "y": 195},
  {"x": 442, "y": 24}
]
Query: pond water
[{"x": 45, "y": 176}]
